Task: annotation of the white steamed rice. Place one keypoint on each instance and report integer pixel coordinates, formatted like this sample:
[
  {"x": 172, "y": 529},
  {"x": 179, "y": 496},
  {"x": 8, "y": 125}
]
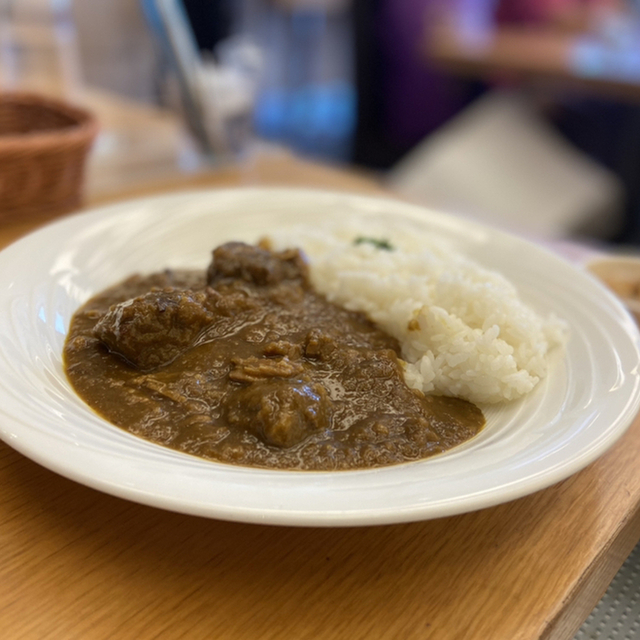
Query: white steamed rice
[{"x": 464, "y": 330}]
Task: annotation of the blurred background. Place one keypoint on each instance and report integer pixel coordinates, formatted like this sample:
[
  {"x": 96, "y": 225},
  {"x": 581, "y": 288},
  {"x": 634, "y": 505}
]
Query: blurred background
[{"x": 521, "y": 113}]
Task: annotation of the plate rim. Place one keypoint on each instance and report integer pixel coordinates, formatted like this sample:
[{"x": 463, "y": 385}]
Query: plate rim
[{"x": 328, "y": 518}]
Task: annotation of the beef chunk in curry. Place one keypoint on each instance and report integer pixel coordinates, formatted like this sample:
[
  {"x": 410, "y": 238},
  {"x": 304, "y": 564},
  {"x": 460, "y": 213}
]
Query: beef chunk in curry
[
  {"x": 245, "y": 363},
  {"x": 151, "y": 330},
  {"x": 256, "y": 265}
]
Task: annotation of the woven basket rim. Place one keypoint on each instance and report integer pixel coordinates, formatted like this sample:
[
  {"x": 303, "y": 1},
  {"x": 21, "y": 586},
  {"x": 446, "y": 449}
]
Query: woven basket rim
[{"x": 83, "y": 130}]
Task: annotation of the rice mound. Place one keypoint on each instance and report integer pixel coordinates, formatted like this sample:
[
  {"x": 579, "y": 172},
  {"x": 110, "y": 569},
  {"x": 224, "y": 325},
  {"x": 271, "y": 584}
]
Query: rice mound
[{"x": 463, "y": 329}]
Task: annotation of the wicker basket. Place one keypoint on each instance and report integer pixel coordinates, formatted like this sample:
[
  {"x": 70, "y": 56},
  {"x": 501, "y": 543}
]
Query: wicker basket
[{"x": 43, "y": 148}]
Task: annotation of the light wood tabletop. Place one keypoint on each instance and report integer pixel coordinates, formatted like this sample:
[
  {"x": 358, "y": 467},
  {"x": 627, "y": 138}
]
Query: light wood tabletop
[{"x": 79, "y": 564}]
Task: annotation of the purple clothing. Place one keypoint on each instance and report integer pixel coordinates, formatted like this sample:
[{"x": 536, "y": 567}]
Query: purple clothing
[{"x": 418, "y": 99}]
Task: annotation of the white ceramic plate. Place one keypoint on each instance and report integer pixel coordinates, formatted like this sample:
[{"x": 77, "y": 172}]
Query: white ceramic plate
[{"x": 583, "y": 406}]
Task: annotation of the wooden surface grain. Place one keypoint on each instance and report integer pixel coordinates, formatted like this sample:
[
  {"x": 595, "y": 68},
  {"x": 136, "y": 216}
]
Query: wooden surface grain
[
  {"x": 77, "y": 563},
  {"x": 80, "y": 564}
]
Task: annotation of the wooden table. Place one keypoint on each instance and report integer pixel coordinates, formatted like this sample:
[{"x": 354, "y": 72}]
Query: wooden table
[{"x": 78, "y": 564}]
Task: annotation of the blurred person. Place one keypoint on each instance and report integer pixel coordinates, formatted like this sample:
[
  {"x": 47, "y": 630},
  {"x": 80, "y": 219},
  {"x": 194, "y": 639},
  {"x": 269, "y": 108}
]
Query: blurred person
[
  {"x": 606, "y": 130},
  {"x": 400, "y": 98}
]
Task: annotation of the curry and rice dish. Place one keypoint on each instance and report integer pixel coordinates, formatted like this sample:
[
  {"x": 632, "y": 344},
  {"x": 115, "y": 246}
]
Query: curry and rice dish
[
  {"x": 247, "y": 364},
  {"x": 272, "y": 360}
]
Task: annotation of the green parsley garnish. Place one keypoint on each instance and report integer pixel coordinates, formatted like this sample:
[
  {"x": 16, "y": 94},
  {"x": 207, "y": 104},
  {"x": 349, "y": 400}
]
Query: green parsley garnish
[{"x": 378, "y": 243}]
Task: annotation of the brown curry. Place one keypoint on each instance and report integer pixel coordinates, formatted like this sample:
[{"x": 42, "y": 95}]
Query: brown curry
[{"x": 248, "y": 364}]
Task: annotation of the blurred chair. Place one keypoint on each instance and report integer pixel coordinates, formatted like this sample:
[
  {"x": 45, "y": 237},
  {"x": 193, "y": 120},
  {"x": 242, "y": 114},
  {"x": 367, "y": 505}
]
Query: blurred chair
[{"x": 498, "y": 161}]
